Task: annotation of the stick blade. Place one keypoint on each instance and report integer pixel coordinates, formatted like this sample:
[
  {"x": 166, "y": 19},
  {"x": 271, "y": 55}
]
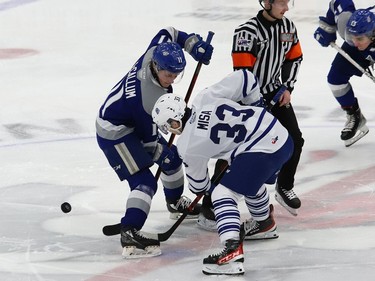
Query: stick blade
[{"x": 112, "y": 229}]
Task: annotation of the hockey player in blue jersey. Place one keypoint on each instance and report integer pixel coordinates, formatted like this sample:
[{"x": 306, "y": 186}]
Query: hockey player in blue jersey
[
  {"x": 130, "y": 140},
  {"x": 251, "y": 140},
  {"x": 357, "y": 28}
]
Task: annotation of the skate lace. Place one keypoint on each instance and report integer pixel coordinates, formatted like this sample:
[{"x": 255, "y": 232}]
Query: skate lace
[
  {"x": 350, "y": 122},
  {"x": 224, "y": 251},
  {"x": 251, "y": 225},
  {"x": 139, "y": 234},
  {"x": 184, "y": 202},
  {"x": 290, "y": 194}
]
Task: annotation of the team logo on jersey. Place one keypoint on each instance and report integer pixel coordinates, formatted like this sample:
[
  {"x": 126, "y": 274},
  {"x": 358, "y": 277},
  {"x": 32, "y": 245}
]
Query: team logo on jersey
[
  {"x": 286, "y": 37},
  {"x": 242, "y": 42},
  {"x": 274, "y": 140}
]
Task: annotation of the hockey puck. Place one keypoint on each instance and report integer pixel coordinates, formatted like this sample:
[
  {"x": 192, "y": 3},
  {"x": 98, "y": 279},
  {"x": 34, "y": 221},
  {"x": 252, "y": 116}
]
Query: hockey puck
[{"x": 66, "y": 207}]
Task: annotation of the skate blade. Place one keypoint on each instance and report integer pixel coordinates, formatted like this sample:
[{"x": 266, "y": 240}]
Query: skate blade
[
  {"x": 206, "y": 224},
  {"x": 292, "y": 211},
  {"x": 262, "y": 236},
  {"x": 232, "y": 268},
  {"x": 135, "y": 253},
  {"x": 176, "y": 216},
  {"x": 360, "y": 134}
]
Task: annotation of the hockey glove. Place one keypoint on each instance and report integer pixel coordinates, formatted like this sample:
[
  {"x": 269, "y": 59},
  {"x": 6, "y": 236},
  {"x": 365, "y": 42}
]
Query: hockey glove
[
  {"x": 167, "y": 158},
  {"x": 199, "y": 49},
  {"x": 325, "y": 33}
]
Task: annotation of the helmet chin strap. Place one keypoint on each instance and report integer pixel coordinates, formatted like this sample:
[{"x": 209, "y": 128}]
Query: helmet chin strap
[
  {"x": 154, "y": 72},
  {"x": 155, "y": 78}
]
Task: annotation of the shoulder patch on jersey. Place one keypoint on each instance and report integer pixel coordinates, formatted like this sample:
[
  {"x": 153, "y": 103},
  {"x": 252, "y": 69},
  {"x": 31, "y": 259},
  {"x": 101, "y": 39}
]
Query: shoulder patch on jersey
[
  {"x": 242, "y": 42},
  {"x": 287, "y": 37}
]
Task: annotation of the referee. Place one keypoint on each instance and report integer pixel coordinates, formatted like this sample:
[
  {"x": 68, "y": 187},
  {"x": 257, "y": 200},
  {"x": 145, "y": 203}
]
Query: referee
[{"x": 268, "y": 45}]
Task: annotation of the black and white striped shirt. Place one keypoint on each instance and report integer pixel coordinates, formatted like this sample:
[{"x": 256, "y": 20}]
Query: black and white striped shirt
[{"x": 271, "y": 50}]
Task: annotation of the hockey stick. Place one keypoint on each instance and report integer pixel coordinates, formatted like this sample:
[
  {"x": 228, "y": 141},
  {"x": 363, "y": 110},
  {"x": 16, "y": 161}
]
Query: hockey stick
[
  {"x": 165, "y": 236},
  {"x": 188, "y": 94},
  {"x": 353, "y": 62},
  {"x": 114, "y": 229}
]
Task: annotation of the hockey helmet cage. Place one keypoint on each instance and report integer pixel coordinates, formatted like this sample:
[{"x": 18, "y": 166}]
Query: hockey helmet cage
[{"x": 168, "y": 108}]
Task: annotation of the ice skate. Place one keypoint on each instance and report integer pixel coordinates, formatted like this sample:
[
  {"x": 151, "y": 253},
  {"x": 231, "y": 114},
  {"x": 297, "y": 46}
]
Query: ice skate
[
  {"x": 137, "y": 245},
  {"x": 288, "y": 199},
  {"x": 206, "y": 223},
  {"x": 257, "y": 230},
  {"x": 355, "y": 126},
  {"x": 176, "y": 209},
  {"x": 228, "y": 262},
  {"x": 206, "y": 218}
]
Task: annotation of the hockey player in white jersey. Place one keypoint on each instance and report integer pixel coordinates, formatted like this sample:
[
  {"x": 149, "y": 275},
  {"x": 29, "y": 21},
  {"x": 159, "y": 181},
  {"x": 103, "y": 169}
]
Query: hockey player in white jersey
[{"x": 250, "y": 139}]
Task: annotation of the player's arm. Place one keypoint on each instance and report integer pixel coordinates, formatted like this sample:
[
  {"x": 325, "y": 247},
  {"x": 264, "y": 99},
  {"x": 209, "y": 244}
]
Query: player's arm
[
  {"x": 240, "y": 86},
  {"x": 335, "y": 19},
  {"x": 146, "y": 130},
  {"x": 246, "y": 86},
  {"x": 192, "y": 43},
  {"x": 244, "y": 47},
  {"x": 196, "y": 170},
  {"x": 291, "y": 65}
]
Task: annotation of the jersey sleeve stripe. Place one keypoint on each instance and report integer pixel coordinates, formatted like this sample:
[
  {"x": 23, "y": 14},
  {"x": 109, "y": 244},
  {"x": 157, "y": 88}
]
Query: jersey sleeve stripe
[
  {"x": 262, "y": 135},
  {"x": 245, "y": 82},
  {"x": 243, "y": 60},
  {"x": 295, "y": 52}
]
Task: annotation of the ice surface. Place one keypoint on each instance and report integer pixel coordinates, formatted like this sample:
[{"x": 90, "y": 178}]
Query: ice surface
[{"x": 59, "y": 59}]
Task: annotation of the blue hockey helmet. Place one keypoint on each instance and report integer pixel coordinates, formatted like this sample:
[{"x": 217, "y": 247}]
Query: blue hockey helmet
[
  {"x": 361, "y": 22},
  {"x": 169, "y": 56}
]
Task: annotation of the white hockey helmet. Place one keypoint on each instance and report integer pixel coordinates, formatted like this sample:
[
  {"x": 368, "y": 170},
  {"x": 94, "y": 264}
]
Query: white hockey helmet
[{"x": 168, "y": 108}]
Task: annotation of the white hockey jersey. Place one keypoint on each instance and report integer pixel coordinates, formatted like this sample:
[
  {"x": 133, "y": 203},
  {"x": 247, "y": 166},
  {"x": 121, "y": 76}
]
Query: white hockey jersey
[{"x": 221, "y": 128}]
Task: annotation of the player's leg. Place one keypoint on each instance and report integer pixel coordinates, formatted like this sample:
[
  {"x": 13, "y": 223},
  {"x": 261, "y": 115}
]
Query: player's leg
[
  {"x": 285, "y": 194},
  {"x": 229, "y": 261},
  {"x": 206, "y": 218},
  {"x": 172, "y": 178},
  {"x": 247, "y": 175},
  {"x": 261, "y": 225},
  {"x": 338, "y": 80},
  {"x": 130, "y": 161}
]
